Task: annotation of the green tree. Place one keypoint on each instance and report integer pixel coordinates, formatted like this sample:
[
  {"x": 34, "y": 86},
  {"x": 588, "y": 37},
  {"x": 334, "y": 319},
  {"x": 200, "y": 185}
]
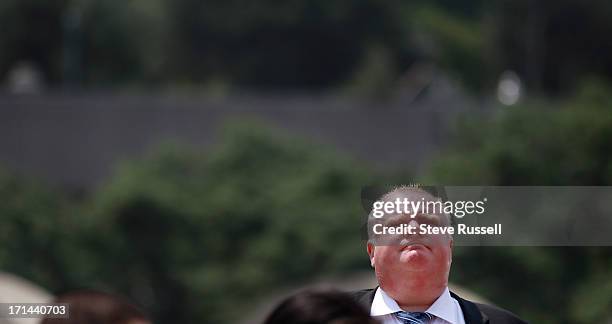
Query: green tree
[
  {"x": 36, "y": 232},
  {"x": 190, "y": 235}
]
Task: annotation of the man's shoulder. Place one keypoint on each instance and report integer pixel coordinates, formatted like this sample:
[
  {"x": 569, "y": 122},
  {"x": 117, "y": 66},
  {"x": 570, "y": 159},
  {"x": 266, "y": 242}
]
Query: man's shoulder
[
  {"x": 499, "y": 315},
  {"x": 362, "y": 292},
  {"x": 488, "y": 313},
  {"x": 364, "y": 297}
]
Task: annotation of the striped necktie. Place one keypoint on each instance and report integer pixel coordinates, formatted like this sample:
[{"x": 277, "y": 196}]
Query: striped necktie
[{"x": 413, "y": 317}]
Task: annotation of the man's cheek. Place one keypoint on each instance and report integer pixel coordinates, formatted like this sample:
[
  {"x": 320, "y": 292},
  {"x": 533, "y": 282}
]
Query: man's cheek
[
  {"x": 443, "y": 257},
  {"x": 388, "y": 256}
]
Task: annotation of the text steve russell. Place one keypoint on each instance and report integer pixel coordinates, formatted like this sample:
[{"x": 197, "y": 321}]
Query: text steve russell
[{"x": 426, "y": 229}]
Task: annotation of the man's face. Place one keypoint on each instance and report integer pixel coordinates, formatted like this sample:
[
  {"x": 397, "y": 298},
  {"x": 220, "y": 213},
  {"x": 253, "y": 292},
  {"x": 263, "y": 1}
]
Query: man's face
[{"x": 399, "y": 258}]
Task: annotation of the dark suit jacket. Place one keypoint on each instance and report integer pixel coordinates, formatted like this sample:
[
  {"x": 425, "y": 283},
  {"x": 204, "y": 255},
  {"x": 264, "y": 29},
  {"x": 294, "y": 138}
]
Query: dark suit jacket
[{"x": 473, "y": 313}]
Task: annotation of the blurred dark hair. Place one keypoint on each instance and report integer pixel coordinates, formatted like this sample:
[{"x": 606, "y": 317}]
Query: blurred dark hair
[
  {"x": 318, "y": 307},
  {"x": 94, "y": 307}
]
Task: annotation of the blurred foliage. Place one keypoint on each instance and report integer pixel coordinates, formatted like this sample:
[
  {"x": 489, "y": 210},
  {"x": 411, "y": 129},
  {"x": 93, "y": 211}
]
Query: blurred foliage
[
  {"x": 193, "y": 236},
  {"x": 363, "y": 45},
  {"x": 34, "y": 224},
  {"x": 538, "y": 143},
  {"x": 455, "y": 43},
  {"x": 553, "y": 45}
]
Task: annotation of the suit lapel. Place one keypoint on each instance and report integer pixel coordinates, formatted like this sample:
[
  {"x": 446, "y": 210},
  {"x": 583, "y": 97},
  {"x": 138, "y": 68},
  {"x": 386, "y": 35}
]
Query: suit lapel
[
  {"x": 365, "y": 298},
  {"x": 471, "y": 313}
]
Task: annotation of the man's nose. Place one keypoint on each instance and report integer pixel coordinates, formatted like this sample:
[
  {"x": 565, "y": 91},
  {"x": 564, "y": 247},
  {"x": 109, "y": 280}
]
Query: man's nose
[{"x": 414, "y": 224}]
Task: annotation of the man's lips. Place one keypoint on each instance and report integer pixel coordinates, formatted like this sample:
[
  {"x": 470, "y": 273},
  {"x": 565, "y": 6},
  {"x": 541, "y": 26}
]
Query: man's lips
[{"x": 413, "y": 246}]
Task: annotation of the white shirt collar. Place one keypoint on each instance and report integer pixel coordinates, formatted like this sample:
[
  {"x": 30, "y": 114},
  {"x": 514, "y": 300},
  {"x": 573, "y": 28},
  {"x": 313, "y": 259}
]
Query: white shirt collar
[{"x": 443, "y": 307}]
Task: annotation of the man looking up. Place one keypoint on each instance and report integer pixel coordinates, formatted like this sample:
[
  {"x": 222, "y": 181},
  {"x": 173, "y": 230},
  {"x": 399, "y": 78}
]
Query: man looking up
[{"x": 412, "y": 271}]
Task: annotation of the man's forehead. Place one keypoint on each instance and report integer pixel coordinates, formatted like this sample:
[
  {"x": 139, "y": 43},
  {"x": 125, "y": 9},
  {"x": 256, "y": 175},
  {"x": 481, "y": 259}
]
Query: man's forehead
[
  {"x": 406, "y": 218},
  {"x": 412, "y": 200},
  {"x": 409, "y": 194}
]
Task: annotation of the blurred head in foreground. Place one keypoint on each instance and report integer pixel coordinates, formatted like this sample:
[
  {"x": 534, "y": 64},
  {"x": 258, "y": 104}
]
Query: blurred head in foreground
[
  {"x": 318, "y": 307},
  {"x": 93, "y": 307}
]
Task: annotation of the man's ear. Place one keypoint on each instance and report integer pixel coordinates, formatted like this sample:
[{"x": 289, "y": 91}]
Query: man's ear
[
  {"x": 371, "y": 248},
  {"x": 451, "y": 251}
]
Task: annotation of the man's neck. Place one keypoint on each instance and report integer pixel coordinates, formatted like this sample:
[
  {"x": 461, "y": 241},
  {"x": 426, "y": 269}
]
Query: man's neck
[{"x": 415, "y": 298}]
